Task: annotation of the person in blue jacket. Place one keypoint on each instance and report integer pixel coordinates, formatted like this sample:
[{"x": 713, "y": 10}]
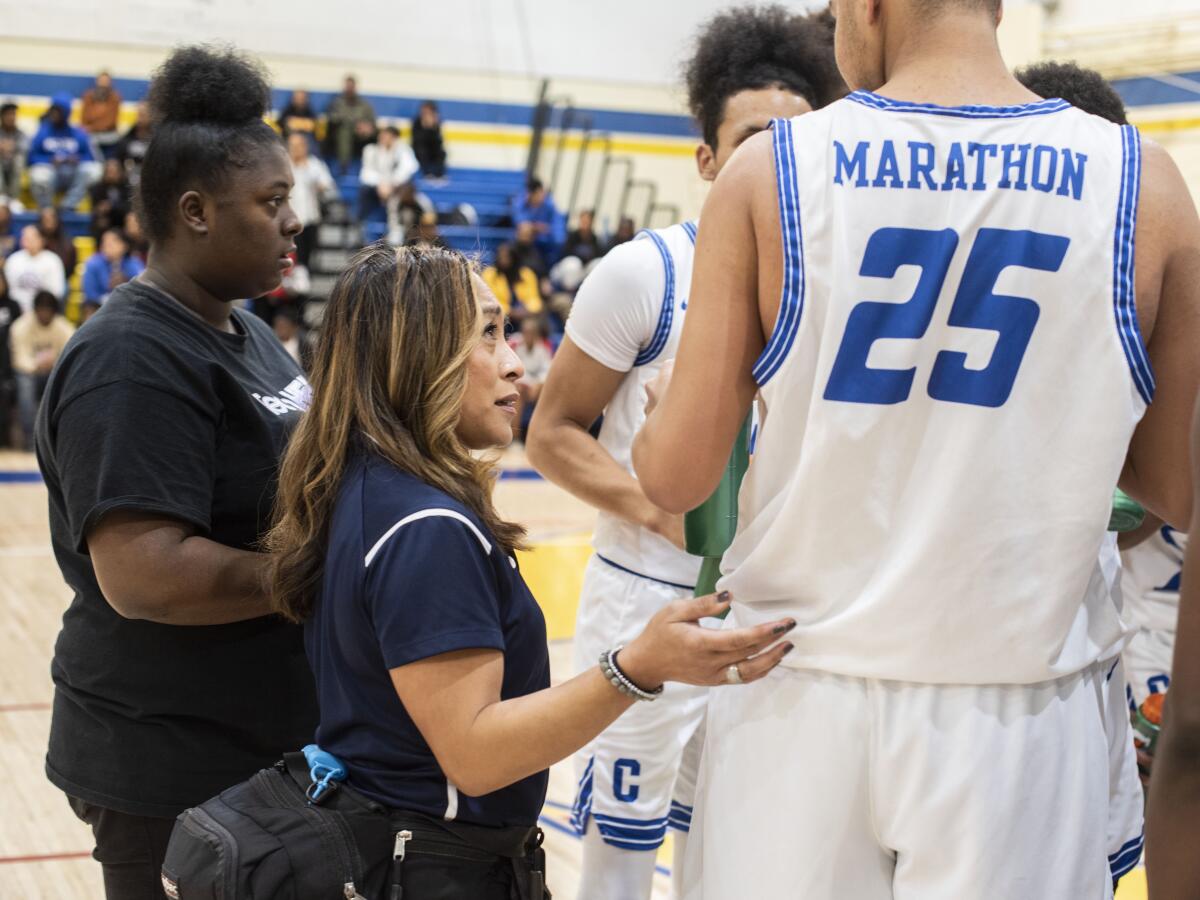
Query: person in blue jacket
[
  {"x": 110, "y": 266},
  {"x": 61, "y": 158}
]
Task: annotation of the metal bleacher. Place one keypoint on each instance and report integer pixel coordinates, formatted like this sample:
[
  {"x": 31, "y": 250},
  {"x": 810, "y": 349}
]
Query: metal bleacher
[{"x": 482, "y": 196}]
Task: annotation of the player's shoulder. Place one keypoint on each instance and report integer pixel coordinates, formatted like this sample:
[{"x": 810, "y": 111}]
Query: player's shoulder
[
  {"x": 392, "y": 506},
  {"x": 635, "y": 267}
]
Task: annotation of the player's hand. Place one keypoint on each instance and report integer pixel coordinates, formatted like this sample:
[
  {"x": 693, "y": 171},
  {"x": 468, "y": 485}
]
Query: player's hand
[
  {"x": 657, "y": 386},
  {"x": 675, "y": 647},
  {"x": 1145, "y": 763}
]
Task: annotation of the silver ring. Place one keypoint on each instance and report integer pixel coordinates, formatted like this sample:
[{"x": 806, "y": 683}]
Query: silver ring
[{"x": 733, "y": 675}]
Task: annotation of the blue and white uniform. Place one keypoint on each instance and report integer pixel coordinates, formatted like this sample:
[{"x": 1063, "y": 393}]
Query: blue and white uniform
[
  {"x": 947, "y": 399},
  {"x": 628, "y": 316},
  {"x": 1150, "y": 585}
]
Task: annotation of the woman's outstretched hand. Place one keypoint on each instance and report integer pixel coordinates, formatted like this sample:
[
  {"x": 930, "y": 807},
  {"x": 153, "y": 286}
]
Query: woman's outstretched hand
[{"x": 675, "y": 647}]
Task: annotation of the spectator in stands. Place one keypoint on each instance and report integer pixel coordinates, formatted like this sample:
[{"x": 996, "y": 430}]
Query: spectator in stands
[
  {"x": 287, "y": 328},
  {"x": 626, "y": 231},
  {"x": 61, "y": 158},
  {"x": 515, "y": 285},
  {"x": 299, "y": 116},
  {"x": 427, "y": 234},
  {"x": 583, "y": 243},
  {"x": 34, "y": 268},
  {"x": 99, "y": 110},
  {"x": 314, "y": 184},
  {"x": 387, "y": 164},
  {"x": 351, "y": 125},
  {"x": 10, "y": 311},
  {"x": 58, "y": 241},
  {"x": 14, "y": 148},
  {"x": 139, "y": 246},
  {"x": 111, "y": 266},
  {"x": 528, "y": 252},
  {"x": 427, "y": 140},
  {"x": 131, "y": 149},
  {"x": 112, "y": 198},
  {"x": 533, "y": 349},
  {"x": 8, "y": 239},
  {"x": 538, "y": 209},
  {"x": 411, "y": 207},
  {"x": 37, "y": 341}
]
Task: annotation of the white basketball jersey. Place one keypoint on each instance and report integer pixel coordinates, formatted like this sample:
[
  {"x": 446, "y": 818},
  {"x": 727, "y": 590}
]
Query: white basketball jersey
[
  {"x": 616, "y": 540},
  {"x": 948, "y": 393},
  {"x": 1150, "y": 580}
]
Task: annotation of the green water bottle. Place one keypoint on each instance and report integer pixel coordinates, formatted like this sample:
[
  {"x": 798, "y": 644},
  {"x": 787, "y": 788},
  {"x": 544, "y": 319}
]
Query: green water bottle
[
  {"x": 1127, "y": 514},
  {"x": 709, "y": 528}
]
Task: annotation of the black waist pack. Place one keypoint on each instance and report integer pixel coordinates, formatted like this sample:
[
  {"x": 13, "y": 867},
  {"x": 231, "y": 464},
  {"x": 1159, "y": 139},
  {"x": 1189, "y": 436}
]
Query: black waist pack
[
  {"x": 264, "y": 840},
  {"x": 282, "y": 836}
]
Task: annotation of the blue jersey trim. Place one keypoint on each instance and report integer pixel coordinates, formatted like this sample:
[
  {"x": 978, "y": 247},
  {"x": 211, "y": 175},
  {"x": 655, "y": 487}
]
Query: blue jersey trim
[
  {"x": 1041, "y": 108},
  {"x": 1124, "y": 860},
  {"x": 690, "y": 229},
  {"x": 609, "y": 562},
  {"x": 582, "y": 807},
  {"x": 1124, "y": 295},
  {"x": 667, "y": 311},
  {"x": 791, "y": 303},
  {"x": 631, "y": 834}
]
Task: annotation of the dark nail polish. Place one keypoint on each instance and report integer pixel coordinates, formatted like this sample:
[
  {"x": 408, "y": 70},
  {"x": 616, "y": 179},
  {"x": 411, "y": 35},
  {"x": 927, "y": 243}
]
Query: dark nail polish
[
  {"x": 723, "y": 597},
  {"x": 781, "y": 629},
  {"x": 788, "y": 649}
]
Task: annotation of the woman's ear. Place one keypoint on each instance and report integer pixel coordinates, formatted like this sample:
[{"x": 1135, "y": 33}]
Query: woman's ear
[{"x": 194, "y": 212}]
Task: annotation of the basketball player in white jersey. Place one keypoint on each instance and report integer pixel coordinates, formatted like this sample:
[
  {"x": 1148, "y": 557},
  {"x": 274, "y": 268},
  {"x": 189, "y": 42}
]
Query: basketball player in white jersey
[
  {"x": 749, "y": 66},
  {"x": 1152, "y": 564},
  {"x": 930, "y": 286},
  {"x": 1087, "y": 90}
]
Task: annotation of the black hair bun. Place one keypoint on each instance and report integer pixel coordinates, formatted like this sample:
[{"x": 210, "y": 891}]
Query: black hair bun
[{"x": 206, "y": 84}]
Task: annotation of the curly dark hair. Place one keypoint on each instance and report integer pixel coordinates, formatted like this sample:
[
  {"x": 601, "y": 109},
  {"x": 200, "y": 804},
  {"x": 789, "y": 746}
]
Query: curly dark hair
[
  {"x": 207, "y": 105},
  {"x": 748, "y": 48},
  {"x": 1084, "y": 89}
]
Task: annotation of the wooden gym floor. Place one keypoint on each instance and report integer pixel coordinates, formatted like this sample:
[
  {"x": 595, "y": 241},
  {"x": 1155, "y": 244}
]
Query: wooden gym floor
[{"x": 44, "y": 849}]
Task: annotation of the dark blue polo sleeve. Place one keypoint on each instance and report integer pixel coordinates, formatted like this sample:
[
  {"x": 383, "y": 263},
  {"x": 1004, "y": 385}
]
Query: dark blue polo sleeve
[{"x": 431, "y": 588}]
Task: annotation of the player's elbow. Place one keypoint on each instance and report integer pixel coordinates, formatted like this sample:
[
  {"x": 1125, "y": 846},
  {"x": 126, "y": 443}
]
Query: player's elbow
[
  {"x": 675, "y": 488},
  {"x": 539, "y": 442},
  {"x": 1171, "y": 501}
]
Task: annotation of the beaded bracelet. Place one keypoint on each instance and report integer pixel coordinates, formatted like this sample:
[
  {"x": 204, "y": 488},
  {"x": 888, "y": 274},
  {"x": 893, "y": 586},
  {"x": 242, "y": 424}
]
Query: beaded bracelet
[{"x": 618, "y": 679}]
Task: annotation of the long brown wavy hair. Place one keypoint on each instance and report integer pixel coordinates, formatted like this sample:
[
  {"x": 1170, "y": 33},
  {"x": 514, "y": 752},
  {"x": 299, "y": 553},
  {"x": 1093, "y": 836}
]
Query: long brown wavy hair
[{"x": 389, "y": 376}]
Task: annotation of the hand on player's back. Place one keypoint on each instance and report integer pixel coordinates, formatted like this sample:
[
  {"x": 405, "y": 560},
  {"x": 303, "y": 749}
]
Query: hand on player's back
[
  {"x": 675, "y": 647},
  {"x": 657, "y": 386}
]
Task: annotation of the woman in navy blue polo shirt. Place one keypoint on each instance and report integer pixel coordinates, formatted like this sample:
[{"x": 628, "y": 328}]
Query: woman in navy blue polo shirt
[{"x": 429, "y": 651}]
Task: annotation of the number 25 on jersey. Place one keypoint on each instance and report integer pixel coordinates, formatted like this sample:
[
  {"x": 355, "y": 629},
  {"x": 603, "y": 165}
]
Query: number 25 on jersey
[{"x": 975, "y": 306}]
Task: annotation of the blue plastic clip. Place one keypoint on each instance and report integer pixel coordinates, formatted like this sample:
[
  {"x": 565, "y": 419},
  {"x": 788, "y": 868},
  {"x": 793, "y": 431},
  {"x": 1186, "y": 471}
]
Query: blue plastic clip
[{"x": 326, "y": 771}]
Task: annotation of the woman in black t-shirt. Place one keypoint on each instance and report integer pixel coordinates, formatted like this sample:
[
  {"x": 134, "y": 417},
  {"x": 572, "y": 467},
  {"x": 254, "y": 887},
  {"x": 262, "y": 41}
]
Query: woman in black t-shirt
[
  {"x": 429, "y": 652},
  {"x": 159, "y": 439}
]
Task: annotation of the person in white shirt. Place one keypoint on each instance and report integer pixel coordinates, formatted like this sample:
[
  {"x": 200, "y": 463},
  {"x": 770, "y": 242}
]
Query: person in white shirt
[
  {"x": 37, "y": 342},
  {"x": 313, "y": 183},
  {"x": 387, "y": 165},
  {"x": 535, "y": 354},
  {"x": 637, "y": 779},
  {"x": 34, "y": 268}
]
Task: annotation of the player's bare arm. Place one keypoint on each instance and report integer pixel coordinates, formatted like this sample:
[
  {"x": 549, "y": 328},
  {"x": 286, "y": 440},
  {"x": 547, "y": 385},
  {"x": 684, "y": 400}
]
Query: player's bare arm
[
  {"x": 559, "y": 446},
  {"x": 1157, "y": 471},
  {"x": 710, "y": 393},
  {"x": 1174, "y": 807}
]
